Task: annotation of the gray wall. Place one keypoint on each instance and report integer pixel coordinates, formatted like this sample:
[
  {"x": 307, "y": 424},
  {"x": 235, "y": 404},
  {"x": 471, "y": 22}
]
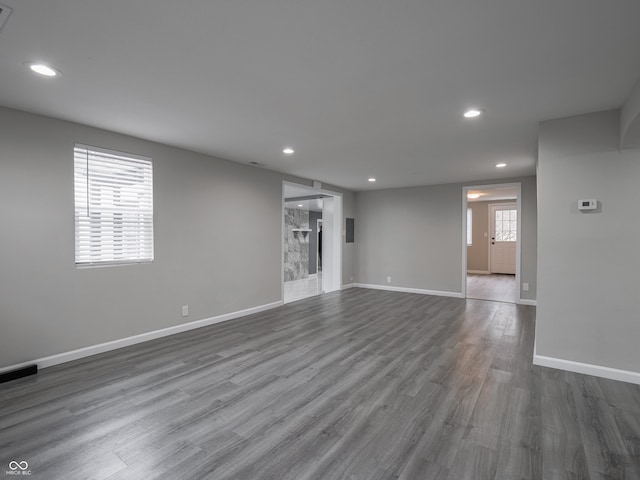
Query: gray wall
[
  {"x": 313, "y": 241},
  {"x": 209, "y": 214},
  {"x": 414, "y": 235},
  {"x": 478, "y": 252},
  {"x": 588, "y": 287}
]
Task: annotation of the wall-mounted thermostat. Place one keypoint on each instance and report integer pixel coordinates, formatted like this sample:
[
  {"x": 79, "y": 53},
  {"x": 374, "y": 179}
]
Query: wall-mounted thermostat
[{"x": 587, "y": 204}]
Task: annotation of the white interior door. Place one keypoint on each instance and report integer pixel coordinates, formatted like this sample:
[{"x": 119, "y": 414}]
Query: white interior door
[{"x": 504, "y": 236}]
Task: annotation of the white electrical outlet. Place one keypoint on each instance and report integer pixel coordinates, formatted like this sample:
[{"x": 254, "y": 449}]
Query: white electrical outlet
[
  {"x": 388, "y": 279},
  {"x": 185, "y": 311},
  {"x": 525, "y": 287}
]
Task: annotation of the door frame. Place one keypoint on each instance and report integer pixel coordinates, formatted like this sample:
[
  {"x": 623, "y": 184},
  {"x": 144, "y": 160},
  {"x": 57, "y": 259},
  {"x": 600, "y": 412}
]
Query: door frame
[
  {"x": 491, "y": 226},
  {"x": 318, "y": 225},
  {"x": 332, "y": 281},
  {"x": 518, "y": 202}
]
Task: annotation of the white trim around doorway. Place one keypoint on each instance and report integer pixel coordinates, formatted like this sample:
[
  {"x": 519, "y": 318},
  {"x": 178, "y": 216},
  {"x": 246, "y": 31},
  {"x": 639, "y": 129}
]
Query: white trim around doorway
[
  {"x": 335, "y": 280},
  {"x": 518, "y": 202}
]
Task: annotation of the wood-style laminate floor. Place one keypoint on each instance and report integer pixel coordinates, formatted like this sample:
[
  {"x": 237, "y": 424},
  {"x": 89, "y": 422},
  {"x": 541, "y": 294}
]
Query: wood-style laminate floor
[
  {"x": 495, "y": 286},
  {"x": 353, "y": 385}
]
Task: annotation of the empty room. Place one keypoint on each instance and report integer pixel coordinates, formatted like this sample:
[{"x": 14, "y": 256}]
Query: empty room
[{"x": 319, "y": 240}]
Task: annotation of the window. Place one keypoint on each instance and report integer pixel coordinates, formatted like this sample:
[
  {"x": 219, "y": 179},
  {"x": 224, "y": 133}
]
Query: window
[
  {"x": 113, "y": 207},
  {"x": 469, "y": 227},
  {"x": 506, "y": 225}
]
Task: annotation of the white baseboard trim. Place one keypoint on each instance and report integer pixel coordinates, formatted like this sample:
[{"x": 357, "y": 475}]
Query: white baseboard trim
[
  {"x": 143, "y": 337},
  {"x": 421, "y": 291},
  {"x": 587, "y": 369},
  {"x": 526, "y": 301},
  {"x": 479, "y": 272},
  {"x": 349, "y": 285}
]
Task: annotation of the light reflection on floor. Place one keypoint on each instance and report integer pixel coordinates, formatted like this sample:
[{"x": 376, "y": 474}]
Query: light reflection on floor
[
  {"x": 496, "y": 287},
  {"x": 299, "y": 289}
]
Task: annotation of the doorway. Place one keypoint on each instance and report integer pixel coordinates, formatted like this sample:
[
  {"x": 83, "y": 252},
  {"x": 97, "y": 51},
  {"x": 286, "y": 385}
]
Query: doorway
[
  {"x": 312, "y": 247},
  {"x": 491, "y": 242},
  {"x": 318, "y": 250},
  {"x": 503, "y": 219}
]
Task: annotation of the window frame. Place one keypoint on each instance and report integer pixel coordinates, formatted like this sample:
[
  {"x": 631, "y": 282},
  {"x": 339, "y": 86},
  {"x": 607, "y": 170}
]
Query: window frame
[
  {"x": 117, "y": 209},
  {"x": 498, "y": 225}
]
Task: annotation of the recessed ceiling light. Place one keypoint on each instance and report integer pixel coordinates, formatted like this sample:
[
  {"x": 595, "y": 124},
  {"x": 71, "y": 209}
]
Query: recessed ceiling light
[
  {"x": 288, "y": 151},
  {"x": 501, "y": 165},
  {"x": 473, "y": 195},
  {"x": 372, "y": 179},
  {"x": 473, "y": 112},
  {"x": 300, "y": 205},
  {"x": 44, "y": 69}
]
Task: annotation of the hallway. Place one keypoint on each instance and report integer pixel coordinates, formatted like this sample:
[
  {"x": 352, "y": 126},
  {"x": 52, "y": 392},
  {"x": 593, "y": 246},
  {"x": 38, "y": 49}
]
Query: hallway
[{"x": 496, "y": 287}]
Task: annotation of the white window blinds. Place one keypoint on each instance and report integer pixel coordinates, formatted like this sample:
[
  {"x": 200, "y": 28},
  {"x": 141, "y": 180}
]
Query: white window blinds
[{"x": 113, "y": 207}]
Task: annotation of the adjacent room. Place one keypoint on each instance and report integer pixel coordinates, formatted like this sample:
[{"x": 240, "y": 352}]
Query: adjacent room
[
  {"x": 303, "y": 242},
  {"x": 319, "y": 240},
  {"x": 491, "y": 239}
]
